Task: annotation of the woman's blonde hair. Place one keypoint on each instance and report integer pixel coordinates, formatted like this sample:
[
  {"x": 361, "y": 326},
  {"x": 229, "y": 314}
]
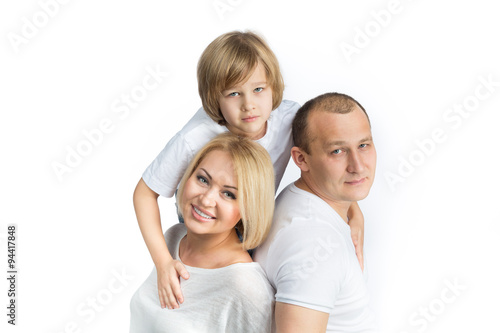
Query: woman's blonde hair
[
  {"x": 255, "y": 178},
  {"x": 230, "y": 59}
]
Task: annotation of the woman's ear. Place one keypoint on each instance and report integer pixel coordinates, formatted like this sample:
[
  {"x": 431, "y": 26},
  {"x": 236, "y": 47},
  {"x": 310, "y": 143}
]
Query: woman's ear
[{"x": 300, "y": 158}]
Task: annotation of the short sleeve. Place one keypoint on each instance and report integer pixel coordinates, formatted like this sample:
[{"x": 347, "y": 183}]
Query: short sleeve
[
  {"x": 307, "y": 266},
  {"x": 165, "y": 172}
]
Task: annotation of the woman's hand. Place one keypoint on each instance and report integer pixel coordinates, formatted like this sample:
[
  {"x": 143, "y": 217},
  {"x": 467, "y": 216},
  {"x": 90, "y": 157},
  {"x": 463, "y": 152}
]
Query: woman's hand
[
  {"x": 357, "y": 224},
  {"x": 169, "y": 288}
]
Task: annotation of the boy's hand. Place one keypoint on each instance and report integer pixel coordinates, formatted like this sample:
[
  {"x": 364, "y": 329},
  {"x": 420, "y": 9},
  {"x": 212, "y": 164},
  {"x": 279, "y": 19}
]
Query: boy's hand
[
  {"x": 169, "y": 288},
  {"x": 357, "y": 224},
  {"x": 357, "y": 236}
]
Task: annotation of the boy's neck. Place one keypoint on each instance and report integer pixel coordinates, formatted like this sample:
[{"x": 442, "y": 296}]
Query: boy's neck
[{"x": 253, "y": 136}]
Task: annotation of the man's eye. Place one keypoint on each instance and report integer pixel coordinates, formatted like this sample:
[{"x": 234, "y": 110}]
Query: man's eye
[
  {"x": 336, "y": 151},
  {"x": 229, "y": 195},
  {"x": 363, "y": 145}
]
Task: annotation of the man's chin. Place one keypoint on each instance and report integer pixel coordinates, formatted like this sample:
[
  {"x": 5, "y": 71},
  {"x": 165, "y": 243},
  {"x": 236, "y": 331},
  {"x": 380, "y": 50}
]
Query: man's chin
[{"x": 358, "y": 195}]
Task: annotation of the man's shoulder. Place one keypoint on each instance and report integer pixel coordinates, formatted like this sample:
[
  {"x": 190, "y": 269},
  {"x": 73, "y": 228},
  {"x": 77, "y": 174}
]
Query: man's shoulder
[{"x": 301, "y": 220}]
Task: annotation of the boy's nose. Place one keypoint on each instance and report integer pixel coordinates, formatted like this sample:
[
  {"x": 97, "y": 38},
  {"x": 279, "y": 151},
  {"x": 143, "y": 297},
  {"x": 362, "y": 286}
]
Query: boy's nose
[{"x": 248, "y": 104}]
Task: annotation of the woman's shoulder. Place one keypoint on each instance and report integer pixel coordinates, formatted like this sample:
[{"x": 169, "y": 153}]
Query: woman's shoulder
[{"x": 173, "y": 236}]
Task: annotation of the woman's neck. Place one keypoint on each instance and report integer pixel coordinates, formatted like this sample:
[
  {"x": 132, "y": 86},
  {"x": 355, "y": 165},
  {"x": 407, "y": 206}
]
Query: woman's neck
[{"x": 212, "y": 251}]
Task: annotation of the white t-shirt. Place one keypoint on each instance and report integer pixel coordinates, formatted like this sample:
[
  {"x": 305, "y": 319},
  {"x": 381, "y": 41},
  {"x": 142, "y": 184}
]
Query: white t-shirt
[
  {"x": 236, "y": 298},
  {"x": 165, "y": 172},
  {"x": 310, "y": 260}
]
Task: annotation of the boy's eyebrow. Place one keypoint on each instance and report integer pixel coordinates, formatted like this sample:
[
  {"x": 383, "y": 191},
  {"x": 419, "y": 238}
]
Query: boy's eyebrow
[
  {"x": 237, "y": 86},
  {"x": 210, "y": 177}
]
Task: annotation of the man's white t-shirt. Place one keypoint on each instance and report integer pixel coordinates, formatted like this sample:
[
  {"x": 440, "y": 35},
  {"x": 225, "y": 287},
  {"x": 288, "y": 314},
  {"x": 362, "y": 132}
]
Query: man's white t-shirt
[
  {"x": 165, "y": 172},
  {"x": 236, "y": 298},
  {"x": 310, "y": 260}
]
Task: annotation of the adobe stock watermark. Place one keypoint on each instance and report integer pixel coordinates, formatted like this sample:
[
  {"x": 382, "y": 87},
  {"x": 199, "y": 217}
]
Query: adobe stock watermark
[
  {"x": 322, "y": 251},
  {"x": 31, "y": 26},
  {"x": 363, "y": 36},
  {"x": 422, "y": 318},
  {"x": 221, "y": 7},
  {"x": 453, "y": 118},
  {"x": 90, "y": 308},
  {"x": 121, "y": 106}
]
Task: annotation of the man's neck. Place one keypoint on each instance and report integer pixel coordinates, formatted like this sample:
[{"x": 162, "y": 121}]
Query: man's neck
[{"x": 341, "y": 207}]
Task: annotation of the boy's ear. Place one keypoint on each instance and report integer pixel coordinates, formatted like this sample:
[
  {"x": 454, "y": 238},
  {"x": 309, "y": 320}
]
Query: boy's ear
[{"x": 300, "y": 158}]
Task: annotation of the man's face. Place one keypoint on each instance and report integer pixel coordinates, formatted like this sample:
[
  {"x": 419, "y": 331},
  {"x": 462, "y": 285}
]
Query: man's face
[{"x": 341, "y": 163}]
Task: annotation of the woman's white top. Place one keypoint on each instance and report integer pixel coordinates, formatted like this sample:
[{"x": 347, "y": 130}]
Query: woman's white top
[{"x": 235, "y": 298}]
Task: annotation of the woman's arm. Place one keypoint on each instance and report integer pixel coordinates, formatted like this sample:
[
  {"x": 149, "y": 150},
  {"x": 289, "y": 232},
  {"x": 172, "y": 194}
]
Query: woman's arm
[
  {"x": 357, "y": 224},
  {"x": 168, "y": 270}
]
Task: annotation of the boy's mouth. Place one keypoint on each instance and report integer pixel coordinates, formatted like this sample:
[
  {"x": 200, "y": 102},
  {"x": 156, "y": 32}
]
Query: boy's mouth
[{"x": 250, "y": 119}]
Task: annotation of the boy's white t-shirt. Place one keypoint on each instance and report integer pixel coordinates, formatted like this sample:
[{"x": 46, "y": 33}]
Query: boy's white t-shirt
[
  {"x": 310, "y": 260},
  {"x": 165, "y": 172},
  {"x": 236, "y": 298}
]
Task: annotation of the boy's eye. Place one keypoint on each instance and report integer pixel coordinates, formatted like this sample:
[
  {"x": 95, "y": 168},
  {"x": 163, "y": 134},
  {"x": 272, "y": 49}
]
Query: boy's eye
[
  {"x": 258, "y": 89},
  {"x": 234, "y": 94},
  {"x": 229, "y": 195}
]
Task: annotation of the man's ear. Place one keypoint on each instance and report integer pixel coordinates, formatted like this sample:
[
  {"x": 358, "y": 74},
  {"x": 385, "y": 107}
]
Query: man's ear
[{"x": 300, "y": 158}]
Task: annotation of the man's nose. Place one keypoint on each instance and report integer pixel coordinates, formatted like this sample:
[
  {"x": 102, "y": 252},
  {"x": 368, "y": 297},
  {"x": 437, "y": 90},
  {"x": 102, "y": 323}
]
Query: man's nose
[{"x": 356, "y": 164}]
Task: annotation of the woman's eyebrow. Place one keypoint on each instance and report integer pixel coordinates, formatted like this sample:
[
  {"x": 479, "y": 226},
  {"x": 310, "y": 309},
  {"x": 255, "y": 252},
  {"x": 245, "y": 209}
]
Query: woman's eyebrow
[{"x": 210, "y": 177}]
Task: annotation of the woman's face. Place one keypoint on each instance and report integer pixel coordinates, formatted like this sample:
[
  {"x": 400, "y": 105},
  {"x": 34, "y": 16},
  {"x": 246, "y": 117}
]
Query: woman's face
[{"x": 210, "y": 204}]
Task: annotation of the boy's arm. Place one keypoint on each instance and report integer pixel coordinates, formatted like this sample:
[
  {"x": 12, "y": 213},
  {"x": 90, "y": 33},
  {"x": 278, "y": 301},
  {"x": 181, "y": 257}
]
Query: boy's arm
[
  {"x": 168, "y": 270},
  {"x": 357, "y": 224},
  {"x": 293, "y": 318}
]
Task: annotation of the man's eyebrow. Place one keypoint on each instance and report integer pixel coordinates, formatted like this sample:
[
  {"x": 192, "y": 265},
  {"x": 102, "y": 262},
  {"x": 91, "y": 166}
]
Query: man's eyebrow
[
  {"x": 343, "y": 142},
  {"x": 210, "y": 177}
]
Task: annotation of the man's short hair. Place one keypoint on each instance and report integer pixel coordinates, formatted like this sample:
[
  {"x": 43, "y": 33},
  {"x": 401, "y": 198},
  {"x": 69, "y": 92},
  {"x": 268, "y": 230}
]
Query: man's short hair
[
  {"x": 329, "y": 102},
  {"x": 231, "y": 59}
]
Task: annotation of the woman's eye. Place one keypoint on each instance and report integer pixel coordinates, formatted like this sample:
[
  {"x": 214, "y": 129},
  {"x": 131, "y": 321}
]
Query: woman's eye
[
  {"x": 233, "y": 94},
  {"x": 202, "y": 180},
  {"x": 229, "y": 195},
  {"x": 258, "y": 89}
]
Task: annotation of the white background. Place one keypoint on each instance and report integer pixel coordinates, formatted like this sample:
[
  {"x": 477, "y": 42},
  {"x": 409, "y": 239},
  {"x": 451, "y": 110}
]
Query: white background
[{"x": 436, "y": 227}]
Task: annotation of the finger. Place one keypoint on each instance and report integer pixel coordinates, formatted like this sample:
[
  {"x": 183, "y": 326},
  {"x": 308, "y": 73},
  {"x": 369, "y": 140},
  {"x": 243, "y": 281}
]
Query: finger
[
  {"x": 182, "y": 271},
  {"x": 172, "y": 301},
  {"x": 176, "y": 290},
  {"x": 163, "y": 304},
  {"x": 359, "y": 254}
]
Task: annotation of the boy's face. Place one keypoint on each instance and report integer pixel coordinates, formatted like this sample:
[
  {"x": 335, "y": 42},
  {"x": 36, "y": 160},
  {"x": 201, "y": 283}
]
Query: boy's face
[{"x": 246, "y": 107}]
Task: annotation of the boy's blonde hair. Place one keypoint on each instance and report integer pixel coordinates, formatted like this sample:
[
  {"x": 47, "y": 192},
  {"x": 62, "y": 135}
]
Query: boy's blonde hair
[
  {"x": 230, "y": 59},
  {"x": 255, "y": 178}
]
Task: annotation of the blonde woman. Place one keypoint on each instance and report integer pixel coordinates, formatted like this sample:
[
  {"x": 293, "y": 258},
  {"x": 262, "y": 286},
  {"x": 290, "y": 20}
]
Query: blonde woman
[{"x": 227, "y": 188}]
